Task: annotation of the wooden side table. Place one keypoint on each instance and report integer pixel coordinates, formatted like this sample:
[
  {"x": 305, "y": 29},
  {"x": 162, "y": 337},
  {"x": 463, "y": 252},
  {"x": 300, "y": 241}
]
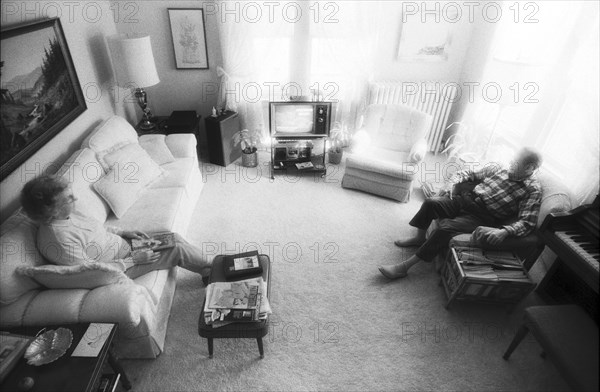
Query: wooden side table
[
  {"x": 160, "y": 123},
  {"x": 67, "y": 373},
  {"x": 162, "y": 127}
]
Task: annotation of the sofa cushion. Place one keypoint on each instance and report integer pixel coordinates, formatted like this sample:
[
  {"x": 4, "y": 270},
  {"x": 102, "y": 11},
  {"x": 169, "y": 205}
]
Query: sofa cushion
[
  {"x": 120, "y": 195},
  {"x": 82, "y": 170},
  {"x": 156, "y": 147},
  {"x": 18, "y": 244},
  {"x": 157, "y": 209},
  {"x": 131, "y": 171},
  {"x": 178, "y": 174},
  {"x": 133, "y": 164},
  {"x": 83, "y": 276},
  {"x": 112, "y": 132},
  {"x": 395, "y": 127},
  {"x": 392, "y": 164}
]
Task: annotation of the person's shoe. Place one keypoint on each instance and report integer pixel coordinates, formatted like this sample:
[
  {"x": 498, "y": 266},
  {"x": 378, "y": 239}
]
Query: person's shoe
[
  {"x": 409, "y": 242},
  {"x": 393, "y": 271}
]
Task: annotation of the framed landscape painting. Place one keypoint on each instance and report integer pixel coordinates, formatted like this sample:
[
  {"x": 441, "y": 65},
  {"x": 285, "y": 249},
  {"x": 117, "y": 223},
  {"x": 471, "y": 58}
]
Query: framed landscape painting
[
  {"x": 189, "y": 38},
  {"x": 41, "y": 94}
]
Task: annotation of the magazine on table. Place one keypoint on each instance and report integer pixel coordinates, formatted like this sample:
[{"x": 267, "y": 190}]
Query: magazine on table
[
  {"x": 234, "y": 295},
  {"x": 304, "y": 165},
  {"x": 242, "y": 264},
  {"x": 156, "y": 241},
  {"x": 218, "y": 296}
]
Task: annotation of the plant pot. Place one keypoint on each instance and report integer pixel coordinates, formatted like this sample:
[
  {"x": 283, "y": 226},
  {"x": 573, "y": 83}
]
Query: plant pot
[
  {"x": 250, "y": 159},
  {"x": 335, "y": 157}
]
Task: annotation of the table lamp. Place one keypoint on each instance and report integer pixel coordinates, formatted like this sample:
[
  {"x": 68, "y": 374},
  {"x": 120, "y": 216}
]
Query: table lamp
[{"x": 134, "y": 67}]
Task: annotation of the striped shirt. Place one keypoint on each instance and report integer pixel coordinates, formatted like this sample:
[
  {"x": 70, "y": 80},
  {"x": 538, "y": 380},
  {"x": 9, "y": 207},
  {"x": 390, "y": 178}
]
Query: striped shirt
[{"x": 505, "y": 198}]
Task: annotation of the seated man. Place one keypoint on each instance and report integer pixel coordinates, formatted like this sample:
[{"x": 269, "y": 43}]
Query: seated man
[
  {"x": 501, "y": 195},
  {"x": 68, "y": 238}
]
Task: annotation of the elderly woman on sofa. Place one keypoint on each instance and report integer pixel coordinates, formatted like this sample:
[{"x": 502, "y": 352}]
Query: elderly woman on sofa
[{"x": 68, "y": 238}]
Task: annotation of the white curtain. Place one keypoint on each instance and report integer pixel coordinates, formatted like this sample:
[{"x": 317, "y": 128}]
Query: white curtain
[
  {"x": 343, "y": 54},
  {"x": 328, "y": 50},
  {"x": 255, "y": 50},
  {"x": 548, "y": 75}
]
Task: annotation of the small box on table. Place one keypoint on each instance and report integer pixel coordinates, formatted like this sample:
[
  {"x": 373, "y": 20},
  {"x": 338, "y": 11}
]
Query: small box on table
[{"x": 484, "y": 275}]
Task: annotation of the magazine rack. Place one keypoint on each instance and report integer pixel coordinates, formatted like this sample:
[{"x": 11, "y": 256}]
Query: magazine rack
[
  {"x": 458, "y": 285},
  {"x": 247, "y": 330}
]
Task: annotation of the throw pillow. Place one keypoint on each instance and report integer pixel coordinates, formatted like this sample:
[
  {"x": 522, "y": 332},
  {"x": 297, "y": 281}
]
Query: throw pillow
[
  {"x": 156, "y": 147},
  {"x": 83, "y": 276},
  {"x": 133, "y": 164},
  {"x": 131, "y": 170},
  {"x": 119, "y": 195}
]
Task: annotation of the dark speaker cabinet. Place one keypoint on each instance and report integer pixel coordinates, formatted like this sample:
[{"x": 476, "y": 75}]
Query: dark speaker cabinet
[{"x": 220, "y": 133}]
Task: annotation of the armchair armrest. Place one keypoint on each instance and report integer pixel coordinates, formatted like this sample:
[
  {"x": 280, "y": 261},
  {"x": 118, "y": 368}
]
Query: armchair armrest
[
  {"x": 418, "y": 151},
  {"x": 182, "y": 145}
]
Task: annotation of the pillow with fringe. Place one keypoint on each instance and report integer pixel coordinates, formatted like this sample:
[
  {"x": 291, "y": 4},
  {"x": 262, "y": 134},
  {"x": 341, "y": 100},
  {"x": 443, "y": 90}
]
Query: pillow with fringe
[{"x": 83, "y": 276}]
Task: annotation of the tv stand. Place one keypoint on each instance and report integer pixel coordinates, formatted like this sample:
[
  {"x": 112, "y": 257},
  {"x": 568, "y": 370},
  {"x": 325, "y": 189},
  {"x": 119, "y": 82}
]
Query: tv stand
[{"x": 298, "y": 154}]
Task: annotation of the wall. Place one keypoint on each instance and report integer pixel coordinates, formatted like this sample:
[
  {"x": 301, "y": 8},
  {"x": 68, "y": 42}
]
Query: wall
[
  {"x": 179, "y": 89},
  {"x": 389, "y": 67},
  {"x": 85, "y": 26}
]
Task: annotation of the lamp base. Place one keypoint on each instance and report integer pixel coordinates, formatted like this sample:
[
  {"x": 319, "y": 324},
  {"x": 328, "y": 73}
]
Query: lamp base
[{"x": 146, "y": 125}]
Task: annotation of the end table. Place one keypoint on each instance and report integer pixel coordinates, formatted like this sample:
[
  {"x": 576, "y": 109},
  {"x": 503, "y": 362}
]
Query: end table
[{"x": 67, "y": 373}]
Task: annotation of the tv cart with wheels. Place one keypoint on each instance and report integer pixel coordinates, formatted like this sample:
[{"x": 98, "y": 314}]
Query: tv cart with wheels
[
  {"x": 299, "y": 131},
  {"x": 298, "y": 154}
]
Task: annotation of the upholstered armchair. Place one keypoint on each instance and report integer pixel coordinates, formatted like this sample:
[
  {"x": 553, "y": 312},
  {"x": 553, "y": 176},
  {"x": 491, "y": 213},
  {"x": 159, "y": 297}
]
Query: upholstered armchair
[{"x": 386, "y": 151}]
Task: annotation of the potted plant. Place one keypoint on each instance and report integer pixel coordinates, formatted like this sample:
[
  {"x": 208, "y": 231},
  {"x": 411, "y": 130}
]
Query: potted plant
[
  {"x": 460, "y": 146},
  {"x": 340, "y": 138},
  {"x": 248, "y": 141}
]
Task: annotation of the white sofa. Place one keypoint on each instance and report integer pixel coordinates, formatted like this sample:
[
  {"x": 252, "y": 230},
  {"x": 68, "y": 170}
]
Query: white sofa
[{"x": 140, "y": 306}]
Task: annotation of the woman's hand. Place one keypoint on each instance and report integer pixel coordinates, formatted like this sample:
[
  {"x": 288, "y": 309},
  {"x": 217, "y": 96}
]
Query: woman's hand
[
  {"x": 134, "y": 234},
  {"x": 145, "y": 256}
]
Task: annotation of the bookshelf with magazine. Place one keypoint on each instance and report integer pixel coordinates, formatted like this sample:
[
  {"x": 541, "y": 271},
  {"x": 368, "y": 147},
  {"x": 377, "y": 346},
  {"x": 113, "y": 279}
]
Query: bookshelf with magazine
[{"x": 484, "y": 275}]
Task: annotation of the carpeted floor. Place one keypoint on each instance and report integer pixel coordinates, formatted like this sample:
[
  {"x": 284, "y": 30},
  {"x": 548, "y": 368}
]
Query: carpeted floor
[{"x": 338, "y": 324}]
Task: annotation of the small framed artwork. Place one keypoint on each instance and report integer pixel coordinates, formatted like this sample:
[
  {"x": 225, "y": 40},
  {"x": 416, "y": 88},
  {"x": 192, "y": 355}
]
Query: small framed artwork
[
  {"x": 423, "y": 39},
  {"x": 189, "y": 38},
  {"x": 41, "y": 94}
]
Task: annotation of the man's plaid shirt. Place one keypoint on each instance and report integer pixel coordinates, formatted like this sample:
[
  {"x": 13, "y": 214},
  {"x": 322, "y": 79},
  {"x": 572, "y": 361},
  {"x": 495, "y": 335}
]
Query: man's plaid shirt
[{"x": 505, "y": 198}]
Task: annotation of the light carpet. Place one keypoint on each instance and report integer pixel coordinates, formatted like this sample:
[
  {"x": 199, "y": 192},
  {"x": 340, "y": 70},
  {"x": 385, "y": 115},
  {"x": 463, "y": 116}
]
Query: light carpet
[{"x": 337, "y": 324}]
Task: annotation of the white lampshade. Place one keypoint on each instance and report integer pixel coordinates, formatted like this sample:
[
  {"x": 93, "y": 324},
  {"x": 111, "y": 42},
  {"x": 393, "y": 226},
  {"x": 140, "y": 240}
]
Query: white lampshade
[{"x": 133, "y": 61}]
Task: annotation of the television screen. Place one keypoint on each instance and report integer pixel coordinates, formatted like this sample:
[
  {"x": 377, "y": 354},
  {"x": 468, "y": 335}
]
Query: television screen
[{"x": 294, "y": 118}]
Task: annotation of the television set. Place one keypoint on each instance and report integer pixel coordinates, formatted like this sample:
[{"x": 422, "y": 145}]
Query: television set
[{"x": 299, "y": 118}]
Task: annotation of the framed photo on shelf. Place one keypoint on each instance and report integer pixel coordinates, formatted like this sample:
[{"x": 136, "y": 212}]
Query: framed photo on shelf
[
  {"x": 189, "y": 38},
  {"x": 41, "y": 94}
]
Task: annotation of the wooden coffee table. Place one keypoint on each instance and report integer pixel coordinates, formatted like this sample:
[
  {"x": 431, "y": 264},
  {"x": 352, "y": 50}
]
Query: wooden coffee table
[
  {"x": 67, "y": 373},
  {"x": 248, "y": 330}
]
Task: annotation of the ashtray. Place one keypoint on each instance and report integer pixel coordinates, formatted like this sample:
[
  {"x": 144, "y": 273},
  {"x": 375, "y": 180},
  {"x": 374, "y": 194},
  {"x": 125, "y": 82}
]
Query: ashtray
[{"x": 49, "y": 346}]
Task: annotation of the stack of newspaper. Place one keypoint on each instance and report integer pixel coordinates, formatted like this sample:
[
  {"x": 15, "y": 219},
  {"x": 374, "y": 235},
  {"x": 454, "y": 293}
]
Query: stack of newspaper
[
  {"x": 239, "y": 301},
  {"x": 489, "y": 264}
]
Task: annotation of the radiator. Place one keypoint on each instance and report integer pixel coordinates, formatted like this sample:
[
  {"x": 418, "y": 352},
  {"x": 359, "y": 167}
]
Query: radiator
[{"x": 434, "y": 98}]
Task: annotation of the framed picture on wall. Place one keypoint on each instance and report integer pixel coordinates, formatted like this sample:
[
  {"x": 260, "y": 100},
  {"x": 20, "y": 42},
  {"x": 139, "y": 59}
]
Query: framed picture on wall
[
  {"x": 189, "y": 37},
  {"x": 425, "y": 38},
  {"x": 41, "y": 94}
]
